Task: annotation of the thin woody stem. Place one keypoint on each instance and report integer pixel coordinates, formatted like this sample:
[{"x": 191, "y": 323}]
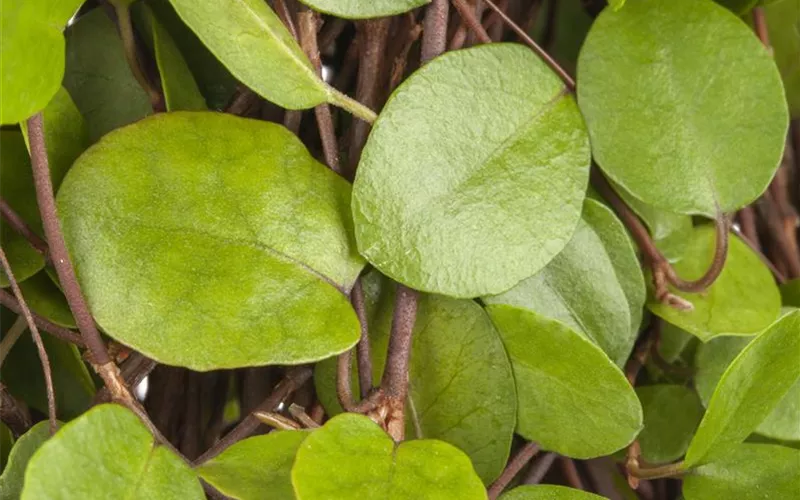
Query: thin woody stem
[
  {"x": 523, "y": 456},
  {"x": 467, "y": 13},
  {"x": 434, "y": 30},
  {"x": 9, "y": 301},
  {"x": 22, "y": 228},
  {"x": 363, "y": 354},
  {"x": 129, "y": 44}
]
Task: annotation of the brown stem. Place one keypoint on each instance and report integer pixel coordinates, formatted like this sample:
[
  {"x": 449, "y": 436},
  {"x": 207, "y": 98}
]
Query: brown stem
[
  {"x": 344, "y": 391},
  {"x": 22, "y": 228},
  {"x": 760, "y": 23},
  {"x": 637, "y": 472},
  {"x": 747, "y": 221},
  {"x": 779, "y": 276},
  {"x": 571, "y": 473},
  {"x": 331, "y": 31},
  {"x": 642, "y": 351},
  {"x": 9, "y": 301},
  {"x": 401, "y": 60},
  {"x": 131, "y": 55},
  {"x": 523, "y": 456},
  {"x": 14, "y": 413},
  {"x": 540, "y": 468},
  {"x": 299, "y": 414},
  {"x": 467, "y": 14},
  {"x": 363, "y": 354},
  {"x": 434, "y": 31}
]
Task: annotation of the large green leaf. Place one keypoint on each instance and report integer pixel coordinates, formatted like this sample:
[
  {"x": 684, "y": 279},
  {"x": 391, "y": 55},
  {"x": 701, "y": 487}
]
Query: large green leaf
[
  {"x": 462, "y": 387},
  {"x": 47, "y": 300},
  {"x": 684, "y": 106},
  {"x": 98, "y": 76},
  {"x": 14, "y": 473},
  {"x": 211, "y": 241},
  {"x": 499, "y": 143},
  {"x": 31, "y": 54},
  {"x": 783, "y": 21},
  {"x": 257, "y": 468},
  {"x": 595, "y": 285},
  {"x": 742, "y": 301},
  {"x": 350, "y": 457},
  {"x": 571, "y": 398},
  {"x": 548, "y": 492},
  {"x": 363, "y": 9},
  {"x": 747, "y": 472},
  {"x": 252, "y": 42},
  {"x": 749, "y": 390},
  {"x": 107, "y": 453},
  {"x": 671, "y": 415}
]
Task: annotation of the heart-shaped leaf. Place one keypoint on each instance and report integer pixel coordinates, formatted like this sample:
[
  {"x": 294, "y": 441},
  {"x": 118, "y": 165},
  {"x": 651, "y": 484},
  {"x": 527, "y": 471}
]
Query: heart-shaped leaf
[
  {"x": 671, "y": 415},
  {"x": 31, "y": 54},
  {"x": 548, "y": 492},
  {"x": 746, "y": 472},
  {"x": 107, "y": 453},
  {"x": 256, "y": 468},
  {"x": 14, "y": 473},
  {"x": 571, "y": 398},
  {"x": 749, "y": 390},
  {"x": 783, "y": 23},
  {"x": 364, "y": 9},
  {"x": 595, "y": 285},
  {"x": 499, "y": 143},
  {"x": 742, "y": 301},
  {"x": 676, "y": 121},
  {"x": 210, "y": 241},
  {"x": 350, "y": 457},
  {"x": 462, "y": 387}
]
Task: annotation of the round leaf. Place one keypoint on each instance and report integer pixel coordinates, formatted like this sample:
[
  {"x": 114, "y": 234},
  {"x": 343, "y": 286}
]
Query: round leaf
[
  {"x": 364, "y": 9},
  {"x": 107, "y": 453},
  {"x": 499, "y": 143},
  {"x": 350, "y": 457},
  {"x": 571, "y": 398},
  {"x": 210, "y": 241},
  {"x": 14, "y": 473},
  {"x": 671, "y": 415},
  {"x": 749, "y": 390},
  {"x": 548, "y": 492},
  {"x": 257, "y": 468},
  {"x": 742, "y": 301},
  {"x": 684, "y": 106}
]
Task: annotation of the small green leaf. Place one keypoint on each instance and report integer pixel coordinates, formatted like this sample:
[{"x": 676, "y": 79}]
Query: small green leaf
[
  {"x": 256, "y": 468},
  {"x": 747, "y": 472},
  {"x": 107, "y": 453},
  {"x": 14, "y": 473},
  {"x": 350, "y": 457},
  {"x": 742, "y": 301},
  {"x": 677, "y": 122},
  {"x": 31, "y": 54},
  {"x": 98, "y": 76},
  {"x": 783, "y": 23},
  {"x": 462, "y": 387},
  {"x": 738, "y": 7},
  {"x": 364, "y": 9},
  {"x": 571, "y": 398},
  {"x": 671, "y": 415},
  {"x": 46, "y": 299},
  {"x": 548, "y": 492},
  {"x": 790, "y": 293},
  {"x": 499, "y": 143},
  {"x": 236, "y": 249},
  {"x": 595, "y": 285},
  {"x": 749, "y": 390}
]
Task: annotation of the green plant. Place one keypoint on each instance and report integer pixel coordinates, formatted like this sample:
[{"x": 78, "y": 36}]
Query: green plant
[{"x": 424, "y": 256}]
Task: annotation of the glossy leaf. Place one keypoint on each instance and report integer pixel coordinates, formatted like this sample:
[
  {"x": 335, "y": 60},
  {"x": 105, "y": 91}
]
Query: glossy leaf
[
  {"x": 31, "y": 54},
  {"x": 783, "y": 23},
  {"x": 676, "y": 121},
  {"x": 364, "y": 9},
  {"x": 257, "y": 468},
  {"x": 252, "y": 42},
  {"x": 12, "y": 478},
  {"x": 98, "y": 76},
  {"x": 790, "y": 293},
  {"x": 548, "y": 492},
  {"x": 749, "y": 390},
  {"x": 462, "y": 387},
  {"x": 594, "y": 286},
  {"x": 671, "y": 415},
  {"x": 236, "y": 248},
  {"x": 107, "y": 453},
  {"x": 571, "y": 398},
  {"x": 350, "y": 457},
  {"x": 46, "y": 299},
  {"x": 742, "y": 301},
  {"x": 499, "y": 143},
  {"x": 747, "y": 472}
]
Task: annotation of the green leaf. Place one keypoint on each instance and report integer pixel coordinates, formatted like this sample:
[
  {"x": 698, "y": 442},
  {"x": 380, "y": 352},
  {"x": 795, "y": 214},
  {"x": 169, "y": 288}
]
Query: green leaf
[
  {"x": 364, "y": 9},
  {"x": 790, "y": 293},
  {"x": 252, "y": 42},
  {"x": 14, "y": 473},
  {"x": 571, "y": 398},
  {"x": 98, "y": 76},
  {"x": 350, "y": 457},
  {"x": 461, "y": 384},
  {"x": 671, "y": 415},
  {"x": 31, "y": 54},
  {"x": 673, "y": 341},
  {"x": 594, "y": 286},
  {"x": 47, "y": 300},
  {"x": 570, "y": 24},
  {"x": 749, "y": 390},
  {"x": 742, "y": 301},
  {"x": 783, "y": 23},
  {"x": 616, "y": 4},
  {"x": 677, "y": 122},
  {"x": 256, "y": 468},
  {"x": 548, "y": 492},
  {"x": 236, "y": 249},
  {"x": 499, "y": 143},
  {"x": 6, "y": 442},
  {"x": 747, "y": 472},
  {"x": 107, "y": 453},
  {"x": 738, "y": 6}
]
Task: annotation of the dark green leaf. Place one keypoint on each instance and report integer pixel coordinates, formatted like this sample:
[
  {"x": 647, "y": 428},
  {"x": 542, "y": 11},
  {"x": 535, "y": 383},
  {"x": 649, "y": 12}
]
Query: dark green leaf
[
  {"x": 46, "y": 299},
  {"x": 548, "y": 492},
  {"x": 350, "y": 457},
  {"x": 673, "y": 341},
  {"x": 676, "y": 121},
  {"x": 738, "y": 6},
  {"x": 6, "y": 442},
  {"x": 783, "y": 21},
  {"x": 364, "y": 9},
  {"x": 671, "y": 415},
  {"x": 790, "y": 293},
  {"x": 14, "y": 473},
  {"x": 499, "y": 143},
  {"x": 236, "y": 249}
]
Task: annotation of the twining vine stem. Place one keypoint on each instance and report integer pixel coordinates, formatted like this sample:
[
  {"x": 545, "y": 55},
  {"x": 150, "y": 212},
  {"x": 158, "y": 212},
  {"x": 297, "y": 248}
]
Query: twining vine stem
[
  {"x": 129, "y": 44},
  {"x": 522, "y": 457},
  {"x": 22, "y": 228},
  {"x": 9, "y": 301}
]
